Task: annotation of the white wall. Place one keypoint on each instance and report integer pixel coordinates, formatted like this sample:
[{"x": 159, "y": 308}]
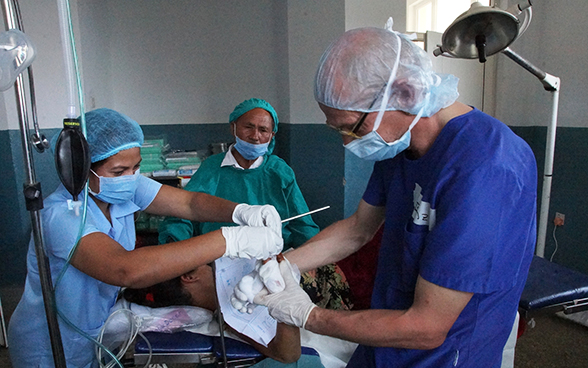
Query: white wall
[
  {"x": 193, "y": 61},
  {"x": 312, "y": 26},
  {"x": 375, "y": 13},
  {"x": 555, "y": 42},
  {"x": 41, "y": 24}
]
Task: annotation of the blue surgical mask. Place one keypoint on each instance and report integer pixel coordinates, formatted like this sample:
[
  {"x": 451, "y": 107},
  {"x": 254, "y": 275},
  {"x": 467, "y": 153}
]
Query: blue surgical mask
[
  {"x": 118, "y": 189},
  {"x": 373, "y": 147},
  {"x": 250, "y": 151}
]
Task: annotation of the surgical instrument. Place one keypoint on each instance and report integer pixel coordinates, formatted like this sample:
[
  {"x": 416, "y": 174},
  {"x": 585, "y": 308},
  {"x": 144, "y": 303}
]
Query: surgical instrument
[{"x": 305, "y": 214}]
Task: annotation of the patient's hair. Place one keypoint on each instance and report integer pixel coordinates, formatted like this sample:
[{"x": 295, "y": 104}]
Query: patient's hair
[{"x": 164, "y": 294}]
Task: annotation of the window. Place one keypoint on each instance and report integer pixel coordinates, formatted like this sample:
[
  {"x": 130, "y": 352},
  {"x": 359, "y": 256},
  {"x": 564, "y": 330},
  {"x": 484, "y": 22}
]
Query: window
[{"x": 435, "y": 15}]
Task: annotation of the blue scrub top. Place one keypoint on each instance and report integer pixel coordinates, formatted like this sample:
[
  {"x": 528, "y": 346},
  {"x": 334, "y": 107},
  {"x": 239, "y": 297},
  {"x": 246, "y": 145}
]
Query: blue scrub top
[
  {"x": 85, "y": 301},
  {"x": 463, "y": 216}
]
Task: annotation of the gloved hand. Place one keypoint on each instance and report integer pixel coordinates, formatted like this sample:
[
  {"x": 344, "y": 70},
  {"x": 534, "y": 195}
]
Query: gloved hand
[
  {"x": 266, "y": 215},
  {"x": 251, "y": 242},
  {"x": 292, "y": 305},
  {"x": 270, "y": 275}
]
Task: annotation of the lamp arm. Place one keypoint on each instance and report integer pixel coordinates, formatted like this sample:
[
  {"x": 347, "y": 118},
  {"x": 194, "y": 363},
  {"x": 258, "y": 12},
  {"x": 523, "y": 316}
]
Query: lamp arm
[
  {"x": 550, "y": 82},
  {"x": 518, "y": 8}
]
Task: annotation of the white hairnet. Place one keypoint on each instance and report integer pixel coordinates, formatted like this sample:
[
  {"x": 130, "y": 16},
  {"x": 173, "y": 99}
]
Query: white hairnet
[{"x": 355, "y": 69}]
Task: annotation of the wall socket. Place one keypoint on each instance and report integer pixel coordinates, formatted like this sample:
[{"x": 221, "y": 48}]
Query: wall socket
[{"x": 559, "y": 219}]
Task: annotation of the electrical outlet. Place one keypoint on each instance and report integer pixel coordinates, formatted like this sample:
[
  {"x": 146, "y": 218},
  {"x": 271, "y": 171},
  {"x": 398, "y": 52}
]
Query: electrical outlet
[{"x": 559, "y": 219}]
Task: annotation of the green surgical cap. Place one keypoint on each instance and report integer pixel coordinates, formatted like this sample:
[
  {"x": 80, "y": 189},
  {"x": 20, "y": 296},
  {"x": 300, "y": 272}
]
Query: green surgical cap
[
  {"x": 109, "y": 132},
  {"x": 254, "y": 103}
]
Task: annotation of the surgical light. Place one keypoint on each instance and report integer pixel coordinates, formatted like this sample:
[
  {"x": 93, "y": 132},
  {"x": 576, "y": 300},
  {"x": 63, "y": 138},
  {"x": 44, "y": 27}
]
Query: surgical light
[{"x": 483, "y": 31}]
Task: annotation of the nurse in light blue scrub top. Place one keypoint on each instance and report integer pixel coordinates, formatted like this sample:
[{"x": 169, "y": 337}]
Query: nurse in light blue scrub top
[{"x": 106, "y": 258}]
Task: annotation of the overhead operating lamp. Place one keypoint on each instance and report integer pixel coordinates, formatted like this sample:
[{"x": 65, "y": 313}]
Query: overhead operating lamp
[{"x": 483, "y": 31}]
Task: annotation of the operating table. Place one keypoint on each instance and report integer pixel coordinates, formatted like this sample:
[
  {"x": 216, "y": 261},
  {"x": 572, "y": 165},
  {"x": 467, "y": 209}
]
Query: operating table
[{"x": 552, "y": 288}]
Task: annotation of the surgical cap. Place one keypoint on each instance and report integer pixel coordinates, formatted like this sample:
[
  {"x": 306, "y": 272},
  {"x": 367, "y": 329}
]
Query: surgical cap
[
  {"x": 355, "y": 69},
  {"x": 109, "y": 132},
  {"x": 255, "y": 103}
]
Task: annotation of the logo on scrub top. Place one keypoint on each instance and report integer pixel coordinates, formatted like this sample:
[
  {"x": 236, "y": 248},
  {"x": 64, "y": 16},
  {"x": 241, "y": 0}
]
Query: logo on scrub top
[{"x": 422, "y": 214}]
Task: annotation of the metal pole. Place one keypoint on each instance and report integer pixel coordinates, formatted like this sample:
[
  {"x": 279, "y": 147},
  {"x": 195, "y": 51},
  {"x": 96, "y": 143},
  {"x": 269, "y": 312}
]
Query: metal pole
[
  {"x": 547, "y": 178},
  {"x": 220, "y": 319},
  {"x": 34, "y": 203},
  {"x": 551, "y": 84}
]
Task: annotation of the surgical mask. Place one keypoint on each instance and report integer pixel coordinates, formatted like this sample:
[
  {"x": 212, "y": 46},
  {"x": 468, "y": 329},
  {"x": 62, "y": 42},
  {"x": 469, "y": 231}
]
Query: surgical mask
[
  {"x": 373, "y": 147},
  {"x": 250, "y": 151},
  {"x": 118, "y": 189}
]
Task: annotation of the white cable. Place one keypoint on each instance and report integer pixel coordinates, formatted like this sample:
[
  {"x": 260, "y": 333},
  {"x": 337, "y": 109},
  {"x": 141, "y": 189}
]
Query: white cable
[
  {"x": 134, "y": 330},
  {"x": 556, "y": 245}
]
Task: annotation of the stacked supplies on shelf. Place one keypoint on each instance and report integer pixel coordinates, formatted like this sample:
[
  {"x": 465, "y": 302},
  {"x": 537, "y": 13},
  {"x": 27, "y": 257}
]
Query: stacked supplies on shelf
[
  {"x": 185, "y": 163},
  {"x": 177, "y": 160},
  {"x": 152, "y": 154}
]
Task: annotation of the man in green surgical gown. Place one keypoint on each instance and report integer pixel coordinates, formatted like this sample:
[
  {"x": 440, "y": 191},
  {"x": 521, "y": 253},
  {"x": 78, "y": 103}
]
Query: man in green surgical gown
[{"x": 248, "y": 173}]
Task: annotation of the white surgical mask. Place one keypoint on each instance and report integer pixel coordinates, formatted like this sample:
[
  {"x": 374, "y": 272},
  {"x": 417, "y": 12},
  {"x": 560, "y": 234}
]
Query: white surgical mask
[{"x": 118, "y": 189}]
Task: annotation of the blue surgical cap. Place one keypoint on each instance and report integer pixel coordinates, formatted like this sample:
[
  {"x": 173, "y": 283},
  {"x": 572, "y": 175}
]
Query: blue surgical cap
[
  {"x": 355, "y": 69},
  {"x": 109, "y": 132},
  {"x": 255, "y": 103}
]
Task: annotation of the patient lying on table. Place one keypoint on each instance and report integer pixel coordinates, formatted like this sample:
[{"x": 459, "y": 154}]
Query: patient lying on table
[{"x": 197, "y": 288}]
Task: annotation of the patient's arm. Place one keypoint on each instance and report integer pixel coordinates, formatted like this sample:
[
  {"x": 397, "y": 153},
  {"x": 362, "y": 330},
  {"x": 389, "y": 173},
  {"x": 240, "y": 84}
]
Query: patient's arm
[{"x": 285, "y": 346}]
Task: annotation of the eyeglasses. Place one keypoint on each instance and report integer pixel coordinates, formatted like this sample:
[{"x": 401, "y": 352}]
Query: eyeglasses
[{"x": 353, "y": 132}]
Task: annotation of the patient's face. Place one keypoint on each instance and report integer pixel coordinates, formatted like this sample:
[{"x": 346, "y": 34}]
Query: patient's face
[{"x": 202, "y": 288}]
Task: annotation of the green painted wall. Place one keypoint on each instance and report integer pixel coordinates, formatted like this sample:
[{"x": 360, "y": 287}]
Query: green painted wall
[{"x": 568, "y": 192}]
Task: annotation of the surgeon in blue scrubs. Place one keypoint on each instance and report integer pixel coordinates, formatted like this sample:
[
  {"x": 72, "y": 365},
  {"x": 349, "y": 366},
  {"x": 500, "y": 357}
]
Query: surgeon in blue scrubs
[
  {"x": 455, "y": 191},
  {"x": 105, "y": 258}
]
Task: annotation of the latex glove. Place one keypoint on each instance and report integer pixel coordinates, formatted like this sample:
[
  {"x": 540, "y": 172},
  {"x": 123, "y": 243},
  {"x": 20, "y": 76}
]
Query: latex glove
[
  {"x": 292, "y": 305},
  {"x": 270, "y": 275},
  {"x": 251, "y": 242},
  {"x": 266, "y": 215}
]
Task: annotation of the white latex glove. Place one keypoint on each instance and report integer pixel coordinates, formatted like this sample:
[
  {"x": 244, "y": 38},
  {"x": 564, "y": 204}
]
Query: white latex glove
[
  {"x": 270, "y": 275},
  {"x": 292, "y": 305},
  {"x": 251, "y": 242},
  {"x": 266, "y": 215}
]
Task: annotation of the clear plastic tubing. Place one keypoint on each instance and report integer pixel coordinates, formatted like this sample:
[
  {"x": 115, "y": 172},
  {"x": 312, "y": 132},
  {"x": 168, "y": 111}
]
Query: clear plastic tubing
[{"x": 66, "y": 40}]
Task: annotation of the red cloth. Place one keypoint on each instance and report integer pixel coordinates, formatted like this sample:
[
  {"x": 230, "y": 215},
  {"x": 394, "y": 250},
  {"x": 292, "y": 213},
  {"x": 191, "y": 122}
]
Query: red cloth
[{"x": 360, "y": 271}]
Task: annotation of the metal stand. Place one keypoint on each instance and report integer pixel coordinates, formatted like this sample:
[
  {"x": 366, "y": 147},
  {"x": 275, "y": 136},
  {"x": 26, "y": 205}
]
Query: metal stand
[
  {"x": 3, "y": 339},
  {"x": 34, "y": 198},
  {"x": 221, "y": 324},
  {"x": 551, "y": 84}
]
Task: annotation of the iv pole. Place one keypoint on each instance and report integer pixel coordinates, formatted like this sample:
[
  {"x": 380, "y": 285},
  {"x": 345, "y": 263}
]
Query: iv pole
[
  {"x": 483, "y": 31},
  {"x": 32, "y": 190}
]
